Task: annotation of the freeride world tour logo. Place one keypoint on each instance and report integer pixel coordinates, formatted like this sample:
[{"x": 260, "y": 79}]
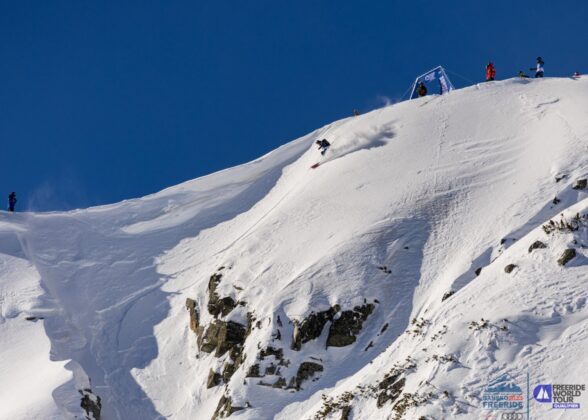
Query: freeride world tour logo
[
  {"x": 543, "y": 393},
  {"x": 503, "y": 394},
  {"x": 562, "y": 396}
]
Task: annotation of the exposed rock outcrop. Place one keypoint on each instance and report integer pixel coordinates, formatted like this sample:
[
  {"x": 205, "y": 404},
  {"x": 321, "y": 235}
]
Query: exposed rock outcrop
[
  {"x": 347, "y": 326},
  {"x": 194, "y": 316},
  {"x": 447, "y": 295},
  {"x": 217, "y": 305},
  {"x": 537, "y": 245},
  {"x": 214, "y": 379},
  {"x": 253, "y": 371},
  {"x": 567, "y": 256},
  {"x": 509, "y": 268},
  {"x": 390, "y": 388},
  {"x": 306, "y": 371},
  {"x": 311, "y": 327},
  {"x": 581, "y": 184},
  {"x": 225, "y": 408},
  {"x": 91, "y": 404},
  {"x": 223, "y": 336}
]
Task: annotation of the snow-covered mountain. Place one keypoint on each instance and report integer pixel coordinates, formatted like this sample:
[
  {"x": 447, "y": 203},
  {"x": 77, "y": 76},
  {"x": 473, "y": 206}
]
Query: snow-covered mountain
[{"x": 439, "y": 248}]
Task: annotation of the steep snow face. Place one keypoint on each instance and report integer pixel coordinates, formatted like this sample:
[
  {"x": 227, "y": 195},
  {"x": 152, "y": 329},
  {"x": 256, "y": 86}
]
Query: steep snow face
[{"x": 359, "y": 279}]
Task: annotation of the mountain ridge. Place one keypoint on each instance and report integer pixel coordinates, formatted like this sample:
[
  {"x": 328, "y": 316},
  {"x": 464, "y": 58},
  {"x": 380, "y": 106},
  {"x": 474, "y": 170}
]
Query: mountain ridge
[{"x": 301, "y": 282}]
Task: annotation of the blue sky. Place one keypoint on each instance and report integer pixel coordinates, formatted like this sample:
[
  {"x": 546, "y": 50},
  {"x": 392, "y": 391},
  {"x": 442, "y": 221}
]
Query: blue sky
[{"x": 108, "y": 100}]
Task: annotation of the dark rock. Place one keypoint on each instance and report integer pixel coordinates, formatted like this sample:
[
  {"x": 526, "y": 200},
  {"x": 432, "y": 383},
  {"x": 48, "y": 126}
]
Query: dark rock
[
  {"x": 384, "y": 328},
  {"x": 223, "y": 336},
  {"x": 344, "y": 330},
  {"x": 270, "y": 370},
  {"x": 390, "y": 389},
  {"x": 385, "y": 269},
  {"x": 277, "y": 335},
  {"x": 228, "y": 370},
  {"x": 447, "y": 295},
  {"x": 280, "y": 383},
  {"x": 91, "y": 404},
  {"x": 580, "y": 184},
  {"x": 306, "y": 371},
  {"x": 345, "y": 411},
  {"x": 556, "y": 200},
  {"x": 508, "y": 269},
  {"x": 225, "y": 408},
  {"x": 194, "y": 316},
  {"x": 214, "y": 379},
  {"x": 216, "y": 305},
  {"x": 369, "y": 346},
  {"x": 311, "y": 327},
  {"x": 34, "y": 318},
  {"x": 567, "y": 255},
  {"x": 221, "y": 307},
  {"x": 278, "y": 353},
  {"x": 560, "y": 177},
  {"x": 537, "y": 245},
  {"x": 478, "y": 271},
  {"x": 253, "y": 371}
]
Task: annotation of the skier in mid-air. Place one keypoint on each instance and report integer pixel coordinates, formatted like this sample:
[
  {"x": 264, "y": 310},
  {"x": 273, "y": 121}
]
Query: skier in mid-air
[
  {"x": 539, "y": 68},
  {"x": 323, "y": 145},
  {"x": 490, "y": 71},
  {"x": 11, "y": 201}
]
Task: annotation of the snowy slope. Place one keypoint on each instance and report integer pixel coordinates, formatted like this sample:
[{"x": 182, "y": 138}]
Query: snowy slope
[{"x": 330, "y": 281}]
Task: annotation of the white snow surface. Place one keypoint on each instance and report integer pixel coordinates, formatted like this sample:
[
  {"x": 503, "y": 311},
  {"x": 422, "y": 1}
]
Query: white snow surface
[{"x": 431, "y": 189}]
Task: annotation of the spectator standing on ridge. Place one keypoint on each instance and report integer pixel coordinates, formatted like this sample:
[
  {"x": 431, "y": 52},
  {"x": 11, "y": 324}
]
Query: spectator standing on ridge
[
  {"x": 11, "y": 201},
  {"x": 490, "y": 71},
  {"x": 422, "y": 90},
  {"x": 539, "y": 68}
]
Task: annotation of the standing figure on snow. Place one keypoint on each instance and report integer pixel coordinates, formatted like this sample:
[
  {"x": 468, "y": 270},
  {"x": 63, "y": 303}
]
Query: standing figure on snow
[
  {"x": 490, "y": 71},
  {"x": 323, "y": 145},
  {"x": 576, "y": 75},
  {"x": 11, "y": 201},
  {"x": 422, "y": 90},
  {"x": 539, "y": 68}
]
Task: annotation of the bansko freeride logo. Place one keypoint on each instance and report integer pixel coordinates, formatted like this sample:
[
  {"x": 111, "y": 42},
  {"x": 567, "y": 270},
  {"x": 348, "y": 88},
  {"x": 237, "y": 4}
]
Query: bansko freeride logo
[
  {"x": 559, "y": 395},
  {"x": 503, "y": 394}
]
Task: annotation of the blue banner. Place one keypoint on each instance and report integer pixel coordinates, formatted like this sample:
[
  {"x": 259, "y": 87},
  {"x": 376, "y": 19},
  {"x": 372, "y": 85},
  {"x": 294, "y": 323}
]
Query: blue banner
[{"x": 436, "y": 81}]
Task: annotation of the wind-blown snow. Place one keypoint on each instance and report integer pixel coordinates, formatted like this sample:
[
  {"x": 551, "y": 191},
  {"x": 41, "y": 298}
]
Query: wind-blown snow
[{"x": 430, "y": 190}]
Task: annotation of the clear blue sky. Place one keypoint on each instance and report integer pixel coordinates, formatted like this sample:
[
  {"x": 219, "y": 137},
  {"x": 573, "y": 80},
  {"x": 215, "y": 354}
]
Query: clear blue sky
[{"x": 107, "y": 100}]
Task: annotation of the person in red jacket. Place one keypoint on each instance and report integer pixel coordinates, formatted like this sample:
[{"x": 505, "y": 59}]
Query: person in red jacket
[{"x": 490, "y": 72}]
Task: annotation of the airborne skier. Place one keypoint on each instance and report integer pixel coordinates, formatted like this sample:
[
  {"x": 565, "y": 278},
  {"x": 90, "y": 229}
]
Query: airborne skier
[{"x": 323, "y": 145}]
